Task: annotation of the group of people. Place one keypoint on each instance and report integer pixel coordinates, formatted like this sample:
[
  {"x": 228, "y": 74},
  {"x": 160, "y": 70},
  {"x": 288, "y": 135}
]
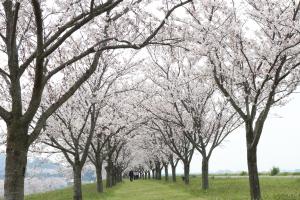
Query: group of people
[{"x": 133, "y": 175}]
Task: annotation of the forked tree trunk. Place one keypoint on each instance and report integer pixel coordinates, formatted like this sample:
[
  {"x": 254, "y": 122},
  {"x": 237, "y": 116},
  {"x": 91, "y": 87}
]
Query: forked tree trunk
[
  {"x": 173, "y": 173},
  {"x": 205, "y": 180},
  {"x": 253, "y": 174},
  {"x": 16, "y": 161},
  {"x": 77, "y": 192},
  {"x": 186, "y": 173},
  {"x": 99, "y": 177},
  {"x": 166, "y": 173}
]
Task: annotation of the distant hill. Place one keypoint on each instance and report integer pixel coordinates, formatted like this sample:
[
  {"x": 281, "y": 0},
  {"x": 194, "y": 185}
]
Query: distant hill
[{"x": 45, "y": 168}]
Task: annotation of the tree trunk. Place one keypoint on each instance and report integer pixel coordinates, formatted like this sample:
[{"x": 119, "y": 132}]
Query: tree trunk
[
  {"x": 149, "y": 176},
  {"x": 173, "y": 173},
  {"x": 107, "y": 177},
  {"x": 113, "y": 175},
  {"x": 158, "y": 171},
  {"x": 16, "y": 162},
  {"x": 166, "y": 173},
  {"x": 159, "y": 174},
  {"x": 120, "y": 176},
  {"x": 77, "y": 192},
  {"x": 109, "y": 174},
  {"x": 99, "y": 178},
  {"x": 205, "y": 183},
  {"x": 253, "y": 174},
  {"x": 186, "y": 173},
  {"x": 153, "y": 174}
]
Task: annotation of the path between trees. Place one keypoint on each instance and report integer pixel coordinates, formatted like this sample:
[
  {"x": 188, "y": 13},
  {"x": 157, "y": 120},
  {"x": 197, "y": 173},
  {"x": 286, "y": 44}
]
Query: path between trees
[{"x": 149, "y": 190}]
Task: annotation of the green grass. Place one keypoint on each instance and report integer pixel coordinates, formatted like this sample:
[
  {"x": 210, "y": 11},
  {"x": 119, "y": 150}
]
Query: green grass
[
  {"x": 221, "y": 189},
  {"x": 137, "y": 190},
  {"x": 238, "y": 188}
]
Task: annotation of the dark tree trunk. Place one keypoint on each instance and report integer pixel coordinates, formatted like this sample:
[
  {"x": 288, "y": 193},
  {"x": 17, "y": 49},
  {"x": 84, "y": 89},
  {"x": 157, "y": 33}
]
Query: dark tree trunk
[
  {"x": 99, "y": 178},
  {"x": 153, "y": 174},
  {"x": 205, "y": 181},
  {"x": 173, "y": 173},
  {"x": 253, "y": 174},
  {"x": 158, "y": 171},
  {"x": 108, "y": 177},
  {"x": 159, "y": 174},
  {"x": 186, "y": 173},
  {"x": 114, "y": 174},
  {"x": 149, "y": 176},
  {"x": 166, "y": 173},
  {"x": 77, "y": 192},
  {"x": 109, "y": 174},
  {"x": 16, "y": 161},
  {"x": 120, "y": 175}
]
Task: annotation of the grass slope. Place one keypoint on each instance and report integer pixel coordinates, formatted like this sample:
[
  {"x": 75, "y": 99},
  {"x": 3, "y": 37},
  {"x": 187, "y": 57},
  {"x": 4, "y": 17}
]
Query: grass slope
[
  {"x": 221, "y": 189},
  {"x": 273, "y": 188}
]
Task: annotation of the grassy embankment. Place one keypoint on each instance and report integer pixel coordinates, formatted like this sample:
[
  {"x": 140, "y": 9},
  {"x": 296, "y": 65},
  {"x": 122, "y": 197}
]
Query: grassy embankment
[{"x": 221, "y": 189}]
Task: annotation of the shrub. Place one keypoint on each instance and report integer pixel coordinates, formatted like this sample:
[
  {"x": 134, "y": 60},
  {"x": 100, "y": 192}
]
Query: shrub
[
  {"x": 275, "y": 171},
  {"x": 243, "y": 173}
]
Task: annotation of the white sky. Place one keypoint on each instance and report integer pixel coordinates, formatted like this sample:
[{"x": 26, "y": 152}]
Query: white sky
[{"x": 279, "y": 144}]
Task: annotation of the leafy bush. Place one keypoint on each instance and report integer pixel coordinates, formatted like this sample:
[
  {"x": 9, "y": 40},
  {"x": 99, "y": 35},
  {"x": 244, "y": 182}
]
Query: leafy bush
[
  {"x": 243, "y": 173},
  {"x": 275, "y": 171}
]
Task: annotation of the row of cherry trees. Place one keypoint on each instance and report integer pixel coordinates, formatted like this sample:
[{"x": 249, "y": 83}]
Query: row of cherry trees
[
  {"x": 239, "y": 60},
  {"x": 184, "y": 112},
  {"x": 92, "y": 125},
  {"x": 57, "y": 46}
]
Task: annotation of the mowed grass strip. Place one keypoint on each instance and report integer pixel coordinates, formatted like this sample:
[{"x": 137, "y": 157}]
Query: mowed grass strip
[
  {"x": 220, "y": 189},
  {"x": 136, "y": 190}
]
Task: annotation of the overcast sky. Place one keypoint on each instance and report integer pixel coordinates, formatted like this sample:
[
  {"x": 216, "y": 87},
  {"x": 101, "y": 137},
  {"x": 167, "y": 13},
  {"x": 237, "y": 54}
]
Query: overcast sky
[{"x": 279, "y": 144}]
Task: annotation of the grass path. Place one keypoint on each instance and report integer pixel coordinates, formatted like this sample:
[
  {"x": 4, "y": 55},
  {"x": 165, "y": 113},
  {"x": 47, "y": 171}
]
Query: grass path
[
  {"x": 149, "y": 190},
  {"x": 136, "y": 190}
]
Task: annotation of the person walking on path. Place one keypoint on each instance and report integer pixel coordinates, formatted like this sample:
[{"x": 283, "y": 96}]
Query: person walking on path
[{"x": 131, "y": 175}]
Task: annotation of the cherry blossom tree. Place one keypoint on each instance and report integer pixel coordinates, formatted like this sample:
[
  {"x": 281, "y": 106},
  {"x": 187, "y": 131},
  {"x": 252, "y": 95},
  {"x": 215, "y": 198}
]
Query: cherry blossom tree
[
  {"x": 253, "y": 49},
  {"x": 212, "y": 124},
  {"x": 174, "y": 160},
  {"x": 97, "y": 155},
  {"x": 70, "y": 130},
  {"x": 154, "y": 150},
  {"x": 194, "y": 106},
  {"x": 105, "y": 85}
]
